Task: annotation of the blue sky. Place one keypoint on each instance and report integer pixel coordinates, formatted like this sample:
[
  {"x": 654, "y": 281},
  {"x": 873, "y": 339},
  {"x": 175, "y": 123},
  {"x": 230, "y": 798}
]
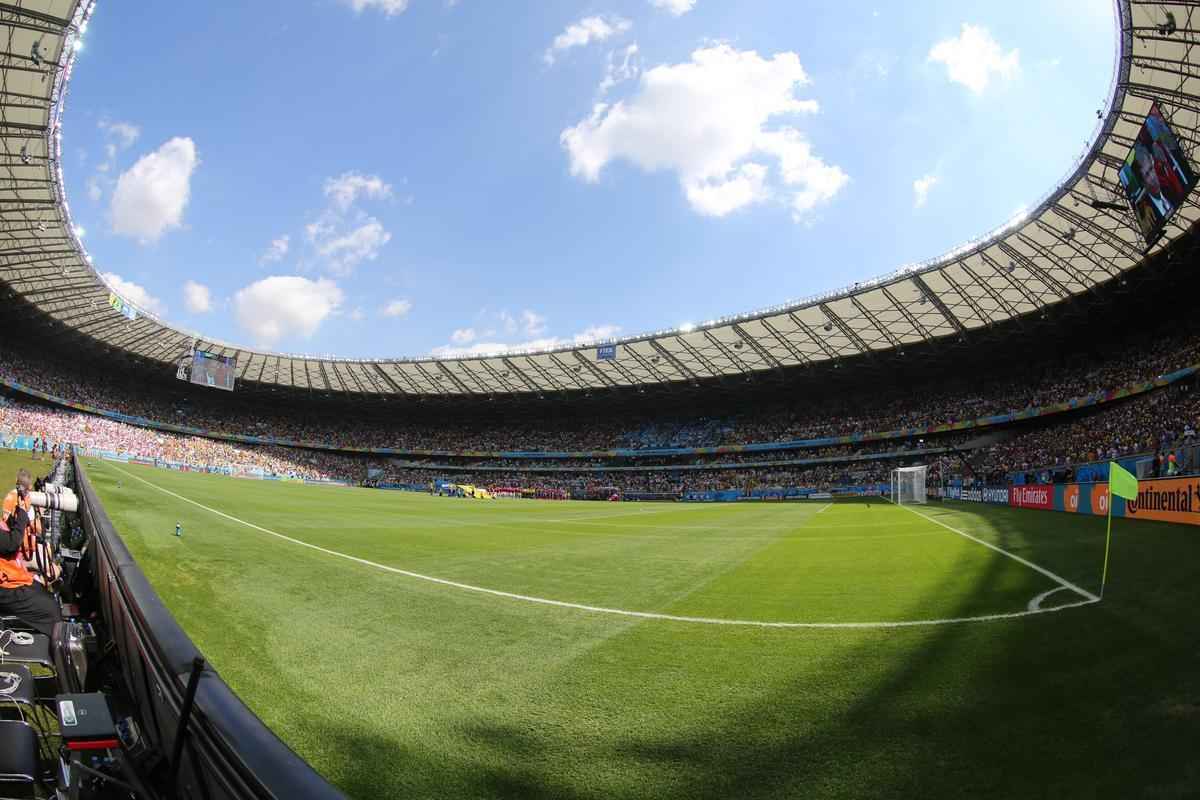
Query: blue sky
[{"x": 389, "y": 178}]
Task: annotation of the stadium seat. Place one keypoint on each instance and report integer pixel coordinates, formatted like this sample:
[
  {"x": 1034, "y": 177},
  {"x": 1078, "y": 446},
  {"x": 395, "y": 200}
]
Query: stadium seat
[
  {"x": 18, "y": 760},
  {"x": 16, "y": 690},
  {"x": 14, "y": 623},
  {"x": 35, "y": 655}
]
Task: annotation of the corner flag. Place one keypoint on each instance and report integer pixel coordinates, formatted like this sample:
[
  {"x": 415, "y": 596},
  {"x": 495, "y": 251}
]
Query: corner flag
[{"x": 1121, "y": 483}]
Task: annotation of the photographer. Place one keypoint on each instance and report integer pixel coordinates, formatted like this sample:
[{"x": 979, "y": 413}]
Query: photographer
[{"x": 20, "y": 596}]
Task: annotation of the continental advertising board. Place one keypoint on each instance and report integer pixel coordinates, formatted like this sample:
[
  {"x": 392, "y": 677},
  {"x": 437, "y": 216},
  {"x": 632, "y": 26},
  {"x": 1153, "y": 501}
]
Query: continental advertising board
[
  {"x": 1165, "y": 500},
  {"x": 1169, "y": 500}
]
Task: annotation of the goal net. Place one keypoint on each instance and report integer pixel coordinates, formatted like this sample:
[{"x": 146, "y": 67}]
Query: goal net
[{"x": 908, "y": 485}]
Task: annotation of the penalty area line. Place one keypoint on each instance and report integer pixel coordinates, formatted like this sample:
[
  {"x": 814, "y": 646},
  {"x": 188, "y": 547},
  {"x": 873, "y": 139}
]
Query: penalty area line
[{"x": 620, "y": 612}]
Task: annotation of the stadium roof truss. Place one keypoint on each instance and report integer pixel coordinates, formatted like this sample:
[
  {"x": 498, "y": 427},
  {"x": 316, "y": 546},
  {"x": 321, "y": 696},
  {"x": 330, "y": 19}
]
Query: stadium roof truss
[{"x": 1080, "y": 236}]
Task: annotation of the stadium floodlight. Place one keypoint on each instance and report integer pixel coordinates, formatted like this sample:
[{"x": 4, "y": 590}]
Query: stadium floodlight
[
  {"x": 828, "y": 326},
  {"x": 908, "y": 485},
  {"x": 25, "y": 159},
  {"x": 1012, "y": 267},
  {"x": 35, "y": 53}
]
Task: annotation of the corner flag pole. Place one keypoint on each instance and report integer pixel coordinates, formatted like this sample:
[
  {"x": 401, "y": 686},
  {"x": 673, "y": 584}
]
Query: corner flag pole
[
  {"x": 1107, "y": 542},
  {"x": 1121, "y": 483}
]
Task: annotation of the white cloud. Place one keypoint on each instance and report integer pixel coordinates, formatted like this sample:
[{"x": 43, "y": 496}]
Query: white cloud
[
  {"x": 706, "y": 120},
  {"x": 347, "y": 187},
  {"x": 584, "y": 32},
  {"x": 921, "y": 189},
  {"x": 615, "y": 73},
  {"x": 463, "y": 336},
  {"x": 120, "y": 136},
  {"x": 387, "y": 7},
  {"x": 277, "y": 250},
  {"x": 197, "y": 298},
  {"x": 123, "y": 134},
  {"x": 533, "y": 323},
  {"x": 720, "y": 196},
  {"x": 358, "y": 315},
  {"x": 285, "y": 305},
  {"x": 135, "y": 293},
  {"x": 461, "y": 348},
  {"x": 343, "y": 235},
  {"x": 151, "y": 196},
  {"x": 675, "y": 7},
  {"x": 973, "y": 57},
  {"x": 343, "y": 252},
  {"x": 398, "y": 308}
]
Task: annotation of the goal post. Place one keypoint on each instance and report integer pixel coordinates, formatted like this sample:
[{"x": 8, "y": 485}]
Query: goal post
[{"x": 908, "y": 485}]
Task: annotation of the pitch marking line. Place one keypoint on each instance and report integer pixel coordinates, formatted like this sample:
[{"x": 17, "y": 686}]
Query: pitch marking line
[
  {"x": 825, "y": 507},
  {"x": 601, "y": 609},
  {"x": 1063, "y": 582},
  {"x": 1036, "y": 603}
]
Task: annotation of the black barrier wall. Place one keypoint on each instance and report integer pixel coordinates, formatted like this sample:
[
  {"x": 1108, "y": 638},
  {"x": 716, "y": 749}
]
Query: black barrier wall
[{"x": 228, "y": 752}]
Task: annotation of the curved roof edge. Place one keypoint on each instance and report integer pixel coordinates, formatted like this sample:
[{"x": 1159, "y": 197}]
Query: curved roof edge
[{"x": 1080, "y": 235}]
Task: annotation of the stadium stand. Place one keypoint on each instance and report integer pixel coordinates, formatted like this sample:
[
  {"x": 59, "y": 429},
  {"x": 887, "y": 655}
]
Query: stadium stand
[{"x": 581, "y": 453}]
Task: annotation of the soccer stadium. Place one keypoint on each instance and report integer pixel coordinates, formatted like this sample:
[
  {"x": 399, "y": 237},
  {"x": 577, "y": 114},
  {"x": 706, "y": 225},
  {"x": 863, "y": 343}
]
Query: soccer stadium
[{"x": 931, "y": 534}]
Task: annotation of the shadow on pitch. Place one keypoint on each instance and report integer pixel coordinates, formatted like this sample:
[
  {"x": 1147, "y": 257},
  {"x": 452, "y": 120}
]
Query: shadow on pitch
[{"x": 1090, "y": 702}]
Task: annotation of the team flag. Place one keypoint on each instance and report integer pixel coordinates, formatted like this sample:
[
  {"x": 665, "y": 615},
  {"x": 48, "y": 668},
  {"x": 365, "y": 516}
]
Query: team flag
[{"x": 1121, "y": 482}]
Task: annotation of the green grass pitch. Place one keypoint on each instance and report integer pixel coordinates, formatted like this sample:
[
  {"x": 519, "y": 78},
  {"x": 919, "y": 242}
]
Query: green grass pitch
[{"x": 393, "y": 685}]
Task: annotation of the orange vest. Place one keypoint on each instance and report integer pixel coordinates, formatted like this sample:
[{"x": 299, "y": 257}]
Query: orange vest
[{"x": 12, "y": 570}]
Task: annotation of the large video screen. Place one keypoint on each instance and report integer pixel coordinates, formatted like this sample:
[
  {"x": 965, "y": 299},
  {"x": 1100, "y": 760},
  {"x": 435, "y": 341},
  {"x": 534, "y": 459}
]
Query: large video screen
[
  {"x": 1156, "y": 175},
  {"x": 210, "y": 369}
]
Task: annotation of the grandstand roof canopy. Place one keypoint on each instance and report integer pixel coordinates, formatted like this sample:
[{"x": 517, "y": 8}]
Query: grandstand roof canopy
[{"x": 1082, "y": 235}]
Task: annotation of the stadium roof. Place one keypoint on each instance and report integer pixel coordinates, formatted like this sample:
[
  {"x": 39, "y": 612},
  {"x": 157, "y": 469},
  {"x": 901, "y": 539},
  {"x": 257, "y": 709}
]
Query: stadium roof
[{"x": 1082, "y": 235}]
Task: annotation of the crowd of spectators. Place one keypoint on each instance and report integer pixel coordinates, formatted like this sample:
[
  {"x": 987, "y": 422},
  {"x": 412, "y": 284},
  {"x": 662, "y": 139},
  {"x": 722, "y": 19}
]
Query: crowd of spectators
[
  {"x": 1160, "y": 422},
  {"x": 897, "y": 405},
  {"x": 63, "y": 426},
  {"x": 1155, "y": 422}
]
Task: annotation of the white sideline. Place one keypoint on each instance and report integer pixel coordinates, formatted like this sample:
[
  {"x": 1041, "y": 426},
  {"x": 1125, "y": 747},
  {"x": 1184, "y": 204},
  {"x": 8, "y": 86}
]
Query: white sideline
[
  {"x": 1063, "y": 582},
  {"x": 825, "y": 507},
  {"x": 613, "y": 611}
]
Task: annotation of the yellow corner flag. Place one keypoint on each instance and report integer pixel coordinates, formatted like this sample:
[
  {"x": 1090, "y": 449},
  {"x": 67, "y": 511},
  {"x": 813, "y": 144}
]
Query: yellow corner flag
[{"x": 1121, "y": 483}]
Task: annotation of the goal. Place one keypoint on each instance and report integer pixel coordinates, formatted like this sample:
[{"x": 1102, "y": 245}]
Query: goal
[{"x": 908, "y": 485}]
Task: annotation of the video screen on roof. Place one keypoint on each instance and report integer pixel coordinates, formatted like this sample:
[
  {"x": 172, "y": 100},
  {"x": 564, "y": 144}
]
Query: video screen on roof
[
  {"x": 210, "y": 369},
  {"x": 1156, "y": 175}
]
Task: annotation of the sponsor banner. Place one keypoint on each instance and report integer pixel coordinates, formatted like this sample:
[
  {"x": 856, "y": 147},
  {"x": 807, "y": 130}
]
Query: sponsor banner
[
  {"x": 1166, "y": 500},
  {"x": 1034, "y": 496},
  {"x": 996, "y": 495},
  {"x": 726, "y": 496}
]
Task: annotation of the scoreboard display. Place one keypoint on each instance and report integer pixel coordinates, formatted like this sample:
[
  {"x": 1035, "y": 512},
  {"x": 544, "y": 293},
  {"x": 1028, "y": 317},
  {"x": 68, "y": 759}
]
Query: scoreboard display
[
  {"x": 210, "y": 369},
  {"x": 1157, "y": 176}
]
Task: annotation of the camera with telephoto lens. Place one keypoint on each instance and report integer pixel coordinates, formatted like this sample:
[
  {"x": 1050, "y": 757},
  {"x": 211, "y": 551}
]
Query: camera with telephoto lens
[{"x": 56, "y": 498}]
